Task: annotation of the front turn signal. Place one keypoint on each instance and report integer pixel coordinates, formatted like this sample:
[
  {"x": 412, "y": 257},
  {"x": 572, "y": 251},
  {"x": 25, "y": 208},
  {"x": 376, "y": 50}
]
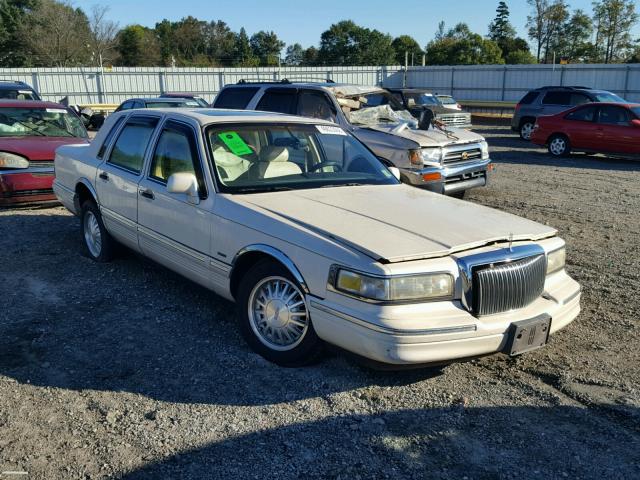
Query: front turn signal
[{"x": 432, "y": 177}]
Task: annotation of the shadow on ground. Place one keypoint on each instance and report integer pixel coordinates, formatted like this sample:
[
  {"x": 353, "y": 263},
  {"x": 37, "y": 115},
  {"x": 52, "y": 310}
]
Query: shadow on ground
[{"x": 453, "y": 443}]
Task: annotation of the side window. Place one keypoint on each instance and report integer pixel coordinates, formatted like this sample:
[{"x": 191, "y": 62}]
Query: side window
[
  {"x": 579, "y": 99},
  {"x": 279, "y": 100},
  {"x": 176, "y": 152},
  {"x": 125, "y": 106},
  {"x": 529, "y": 98},
  {"x": 315, "y": 105},
  {"x": 613, "y": 116},
  {"x": 138, "y": 104},
  {"x": 235, "y": 97},
  {"x": 128, "y": 151},
  {"x": 109, "y": 137},
  {"x": 586, "y": 114},
  {"x": 556, "y": 98}
]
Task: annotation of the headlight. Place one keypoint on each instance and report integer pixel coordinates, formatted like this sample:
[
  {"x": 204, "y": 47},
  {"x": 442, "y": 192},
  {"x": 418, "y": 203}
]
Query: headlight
[
  {"x": 415, "y": 158},
  {"x": 432, "y": 155},
  {"x": 11, "y": 160},
  {"x": 555, "y": 260},
  {"x": 394, "y": 289},
  {"x": 484, "y": 147}
]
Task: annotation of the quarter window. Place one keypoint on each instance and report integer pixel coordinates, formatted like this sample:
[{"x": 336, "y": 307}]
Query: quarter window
[
  {"x": 128, "y": 151},
  {"x": 529, "y": 98},
  {"x": 586, "y": 114},
  {"x": 279, "y": 100},
  {"x": 235, "y": 97}
]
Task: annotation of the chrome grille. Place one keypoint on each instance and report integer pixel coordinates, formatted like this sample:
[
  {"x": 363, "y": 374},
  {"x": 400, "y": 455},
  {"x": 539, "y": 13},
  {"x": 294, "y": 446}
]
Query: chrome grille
[
  {"x": 41, "y": 163},
  {"x": 508, "y": 286},
  {"x": 455, "y": 119},
  {"x": 461, "y": 156}
]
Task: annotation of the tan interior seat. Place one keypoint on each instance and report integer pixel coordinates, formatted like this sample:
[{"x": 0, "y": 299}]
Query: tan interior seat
[
  {"x": 274, "y": 162},
  {"x": 229, "y": 166}
]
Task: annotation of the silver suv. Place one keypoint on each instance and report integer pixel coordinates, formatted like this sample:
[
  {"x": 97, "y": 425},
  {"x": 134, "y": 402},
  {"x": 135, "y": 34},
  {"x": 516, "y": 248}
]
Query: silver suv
[
  {"x": 552, "y": 100},
  {"x": 444, "y": 160}
]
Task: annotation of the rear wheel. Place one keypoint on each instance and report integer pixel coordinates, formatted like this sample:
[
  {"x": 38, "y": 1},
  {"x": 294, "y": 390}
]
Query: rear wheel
[
  {"x": 559, "y": 146},
  {"x": 273, "y": 316},
  {"x": 98, "y": 243},
  {"x": 526, "y": 129}
]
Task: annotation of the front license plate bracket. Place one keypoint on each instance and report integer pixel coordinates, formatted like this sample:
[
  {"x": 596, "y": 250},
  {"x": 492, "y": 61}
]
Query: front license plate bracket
[{"x": 528, "y": 335}]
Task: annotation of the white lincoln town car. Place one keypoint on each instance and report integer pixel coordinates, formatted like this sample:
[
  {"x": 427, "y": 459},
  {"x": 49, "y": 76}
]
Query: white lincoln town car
[{"x": 315, "y": 239}]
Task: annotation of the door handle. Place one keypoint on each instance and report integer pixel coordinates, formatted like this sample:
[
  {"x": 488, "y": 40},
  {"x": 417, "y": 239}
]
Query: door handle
[
  {"x": 104, "y": 176},
  {"x": 147, "y": 194}
]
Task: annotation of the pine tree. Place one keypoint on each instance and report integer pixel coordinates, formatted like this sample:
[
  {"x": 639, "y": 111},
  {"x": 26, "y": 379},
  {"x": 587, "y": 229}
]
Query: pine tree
[{"x": 501, "y": 29}]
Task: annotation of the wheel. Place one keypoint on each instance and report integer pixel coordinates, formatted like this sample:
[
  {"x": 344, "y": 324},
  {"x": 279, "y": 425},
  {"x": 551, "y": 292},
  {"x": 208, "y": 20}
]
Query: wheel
[
  {"x": 526, "y": 129},
  {"x": 98, "y": 243},
  {"x": 559, "y": 146},
  {"x": 273, "y": 316},
  {"x": 459, "y": 195}
]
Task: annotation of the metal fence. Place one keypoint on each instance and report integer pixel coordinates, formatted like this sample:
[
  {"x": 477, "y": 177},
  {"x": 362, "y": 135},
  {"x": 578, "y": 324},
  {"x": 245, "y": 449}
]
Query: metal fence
[{"x": 478, "y": 82}]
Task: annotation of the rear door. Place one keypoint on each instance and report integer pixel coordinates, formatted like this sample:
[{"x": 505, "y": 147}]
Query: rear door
[
  {"x": 580, "y": 127},
  {"x": 615, "y": 132},
  {"x": 556, "y": 101},
  {"x": 173, "y": 229},
  {"x": 118, "y": 177}
]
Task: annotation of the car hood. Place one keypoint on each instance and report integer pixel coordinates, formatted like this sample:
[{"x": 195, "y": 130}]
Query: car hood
[
  {"x": 394, "y": 223},
  {"x": 433, "y": 137},
  {"x": 37, "y": 148}
]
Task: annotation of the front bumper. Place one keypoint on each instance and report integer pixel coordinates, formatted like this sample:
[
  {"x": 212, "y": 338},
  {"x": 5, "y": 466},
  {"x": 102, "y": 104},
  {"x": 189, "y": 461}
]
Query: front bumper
[
  {"x": 453, "y": 178},
  {"x": 24, "y": 186},
  {"x": 435, "y": 332}
]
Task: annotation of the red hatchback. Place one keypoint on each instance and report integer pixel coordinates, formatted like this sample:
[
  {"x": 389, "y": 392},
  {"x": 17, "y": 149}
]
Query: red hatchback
[
  {"x": 30, "y": 132},
  {"x": 610, "y": 128}
]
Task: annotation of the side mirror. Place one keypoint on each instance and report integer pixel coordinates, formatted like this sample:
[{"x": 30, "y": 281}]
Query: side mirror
[
  {"x": 635, "y": 122},
  {"x": 395, "y": 171},
  {"x": 183, "y": 182},
  {"x": 426, "y": 119}
]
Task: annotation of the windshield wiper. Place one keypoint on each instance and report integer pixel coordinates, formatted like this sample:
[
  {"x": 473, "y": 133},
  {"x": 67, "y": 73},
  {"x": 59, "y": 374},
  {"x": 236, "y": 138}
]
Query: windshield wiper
[
  {"x": 33, "y": 129},
  {"x": 49, "y": 122},
  {"x": 351, "y": 184},
  {"x": 263, "y": 189}
]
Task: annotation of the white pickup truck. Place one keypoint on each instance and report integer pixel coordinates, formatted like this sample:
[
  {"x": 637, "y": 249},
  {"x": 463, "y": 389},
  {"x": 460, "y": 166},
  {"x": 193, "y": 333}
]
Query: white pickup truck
[{"x": 314, "y": 238}]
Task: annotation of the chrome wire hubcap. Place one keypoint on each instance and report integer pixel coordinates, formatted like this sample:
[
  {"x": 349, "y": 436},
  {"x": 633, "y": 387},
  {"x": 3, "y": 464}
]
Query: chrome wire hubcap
[
  {"x": 278, "y": 313},
  {"x": 557, "y": 146},
  {"x": 527, "y": 130},
  {"x": 92, "y": 235}
]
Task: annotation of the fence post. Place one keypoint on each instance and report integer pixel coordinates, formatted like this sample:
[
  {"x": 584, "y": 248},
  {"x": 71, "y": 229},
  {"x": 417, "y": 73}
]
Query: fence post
[
  {"x": 35, "y": 81},
  {"x": 453, "y": 74},
  {"x": 221, "y": 80},
  {"x": 99, "y": 87},
  {"x": 161, "y": 82},
  {"x": 562, "y": 75},
  {"x": 504, "y": 82},
  {"x": 626, "y": 81}
]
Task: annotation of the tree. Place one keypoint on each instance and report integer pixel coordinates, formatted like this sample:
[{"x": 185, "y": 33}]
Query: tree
[
  {"x": 545, "y": 25},
  {"x": 310, "y": 57},
  {"x": 266, "y": 47},
  {"x": 294, "y": 55},
  {"x": 103, "y": 35},
  {"x": 58, "y": 34},
  {"x": 14, "y": 14},
  {"x": 406, "y": 44},
  {"x": 501, "y": 29},
  {"x": 460, "y": 46},
  {"x": 574, "y": 43},
  {"x": 242, "y": 52},
  {"x": 614, "y": 20},
  {"x": 220, "y": 42},
  {"x": 346, "y": 43},
  {"x": 138, "y": 46}
]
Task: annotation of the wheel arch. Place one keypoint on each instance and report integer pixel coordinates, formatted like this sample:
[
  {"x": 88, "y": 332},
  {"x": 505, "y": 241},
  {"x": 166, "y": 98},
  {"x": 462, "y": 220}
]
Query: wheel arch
[
  {"x": 252, "y": 254},
  {"x": 526, "y": 118},
  {"x": 83, "y": 192}
]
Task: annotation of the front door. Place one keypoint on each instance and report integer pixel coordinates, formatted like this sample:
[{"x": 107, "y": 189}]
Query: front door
[
  {"x": 118, "y": 177},
  {"x": 615, "y": 131},
  {"x": 174, "y": 229}
]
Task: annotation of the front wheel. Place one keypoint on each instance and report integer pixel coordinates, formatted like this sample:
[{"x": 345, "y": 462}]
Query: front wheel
[
  {"x": 559, "y": 146},
  {"x": 459, "y": 194},
  {"x": 273, "y": 316},
  {"x": 98, "y": 243}
]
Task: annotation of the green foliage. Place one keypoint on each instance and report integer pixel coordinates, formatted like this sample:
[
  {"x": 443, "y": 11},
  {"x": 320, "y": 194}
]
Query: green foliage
[
  {"x": 346, "y": 43},
  {"x": 294, "y": 55},
  {"x": 138, "y": 46},
  {"x": 243, "y": 55},
  {"x": 266, "y": 47},
  {"x": 14, "y": 16},
  {"x": 460, "y": 46},
  {"x": 405, "y": 43},
  {"x": 501, "y": 29},
  {"x": 613, "y": 21}
]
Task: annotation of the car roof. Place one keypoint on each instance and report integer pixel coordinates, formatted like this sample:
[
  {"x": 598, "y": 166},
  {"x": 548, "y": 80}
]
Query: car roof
[
  {"x": 207, "y": 116},
  {"x": 29, "y": 104},
  {"x": 178, "y": 94},
  {"x": 5, "y": 84},
  {"x": 413, "y": 89},
  {"x": 346, "y": 89},
  {"x": 157, "y": 99}
]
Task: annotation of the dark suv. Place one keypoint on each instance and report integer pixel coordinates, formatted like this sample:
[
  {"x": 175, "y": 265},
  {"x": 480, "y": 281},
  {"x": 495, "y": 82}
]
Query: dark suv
[
  {"x": 15, "y": 90},
  {"x": 552, "y": 100}
]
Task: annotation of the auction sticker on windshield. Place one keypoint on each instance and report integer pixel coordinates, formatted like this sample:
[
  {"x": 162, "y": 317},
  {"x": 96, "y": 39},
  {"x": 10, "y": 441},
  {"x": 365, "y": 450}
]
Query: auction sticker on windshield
[
  {"x": 330, "y": 130},
  {"x": 235, "y": 143}
]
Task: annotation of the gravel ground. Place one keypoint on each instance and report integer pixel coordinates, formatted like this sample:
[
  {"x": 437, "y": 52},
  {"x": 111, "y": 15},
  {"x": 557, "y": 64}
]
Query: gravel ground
[{"x": 129, "y": 371}]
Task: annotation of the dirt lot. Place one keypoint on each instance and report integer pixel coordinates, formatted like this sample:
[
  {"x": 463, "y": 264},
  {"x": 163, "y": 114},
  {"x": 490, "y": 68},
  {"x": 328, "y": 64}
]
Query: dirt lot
[{"x": 129, "y": 371}]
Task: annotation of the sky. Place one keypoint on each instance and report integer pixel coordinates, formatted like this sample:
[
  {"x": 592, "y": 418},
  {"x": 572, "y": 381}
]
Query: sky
[{"x": 303, "y": 21}]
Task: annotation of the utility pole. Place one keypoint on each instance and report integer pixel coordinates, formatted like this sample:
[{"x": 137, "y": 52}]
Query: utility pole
[{"x": 406, "y": 66}]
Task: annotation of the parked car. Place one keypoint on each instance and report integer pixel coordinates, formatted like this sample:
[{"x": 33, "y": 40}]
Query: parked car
[
  {"x": 610, "y": 128},
  {"x": 449, "y": 102},
  {"x": 30, "y": 132},
  {"x": 315, "y": 239},
  {"x": 448, "y": 161},
  {"x": 157, "y": 103},
  {"x": 16, "y": 90},
  {"x": 417, "y": 100},
  {"x": 552, "y": 100},
  {"x": 191, "y": 96}
]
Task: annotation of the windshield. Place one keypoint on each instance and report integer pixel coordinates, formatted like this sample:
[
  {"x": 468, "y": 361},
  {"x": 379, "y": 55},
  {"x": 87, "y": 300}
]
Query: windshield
[
  {"x": 17, "y": 95},
  {"x": 374, "y": 108},
  {"x": 186, "y": 103},
  {"x": 46, "y": 122},
  {"x": 609, "y": 97},
  {"x": 636, "y": 110},
  {"x": 421, "y": 99},
  {"x": 268, "y": 157},
  {"x": 446, "y": 100}
]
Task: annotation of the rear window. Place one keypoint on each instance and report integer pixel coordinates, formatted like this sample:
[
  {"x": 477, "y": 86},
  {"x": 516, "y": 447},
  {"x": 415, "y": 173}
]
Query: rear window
[
  {"x": 278, "y": 100},
  {"x": 529, "y": 98},
  {"x": 18, "y": 95},
  {"x": 235, "y": 98}
]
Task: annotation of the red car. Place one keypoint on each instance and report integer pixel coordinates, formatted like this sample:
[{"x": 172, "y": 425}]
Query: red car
[
  {"x": 610, "y": 128},
  {"x": 30, "y": 132}
]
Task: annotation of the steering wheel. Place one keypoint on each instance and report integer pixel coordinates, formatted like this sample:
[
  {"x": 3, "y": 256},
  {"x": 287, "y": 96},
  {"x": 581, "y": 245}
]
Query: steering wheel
[{"x": 320, "y": 165}]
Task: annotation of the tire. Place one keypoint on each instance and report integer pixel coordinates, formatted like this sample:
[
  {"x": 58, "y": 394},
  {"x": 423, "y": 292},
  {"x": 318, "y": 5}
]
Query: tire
[
  {"x": 559, "y": 145},
  {"x": 526, "y": 129},
  {"x": 98, "y": 244},
  {"x": 269, "y": 308},
  {"x": 459, "y": 195}
]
